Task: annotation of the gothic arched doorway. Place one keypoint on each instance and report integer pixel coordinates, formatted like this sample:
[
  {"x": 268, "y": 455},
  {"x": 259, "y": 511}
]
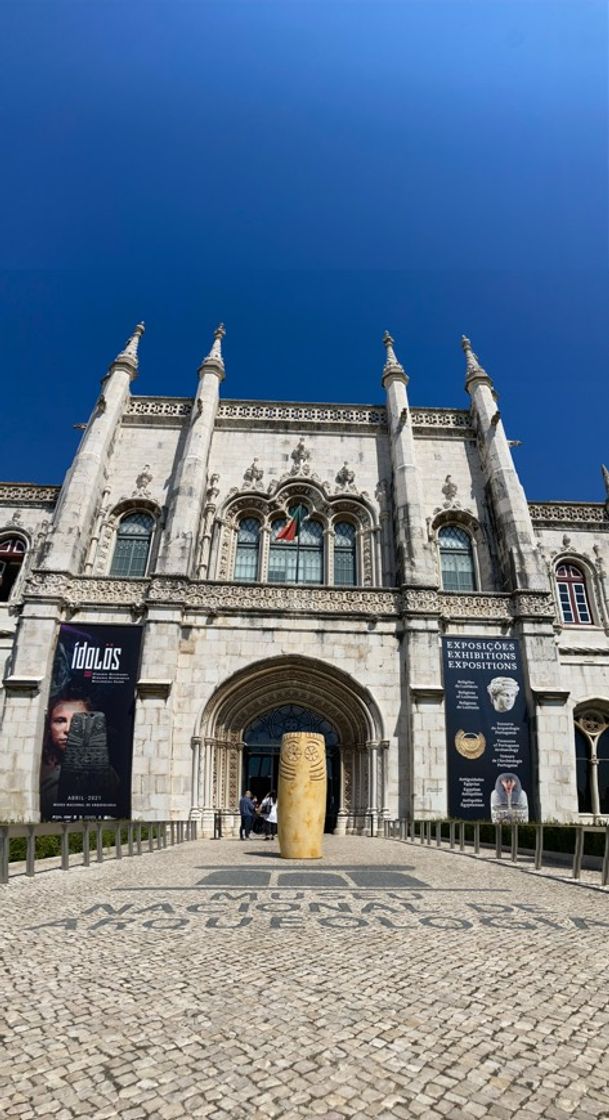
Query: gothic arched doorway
[
  {"x": 262, "y": 740},
  {"x": 245, "y": 718}
]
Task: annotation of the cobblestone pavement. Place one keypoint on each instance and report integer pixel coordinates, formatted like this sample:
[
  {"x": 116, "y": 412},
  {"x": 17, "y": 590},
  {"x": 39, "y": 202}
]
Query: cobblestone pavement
[{"x": 388, "y": 980}]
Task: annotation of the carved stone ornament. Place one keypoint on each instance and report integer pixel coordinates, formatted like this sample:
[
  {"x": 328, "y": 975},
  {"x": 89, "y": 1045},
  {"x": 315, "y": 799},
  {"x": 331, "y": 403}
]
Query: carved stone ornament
[
  {"x": 345, "y": 478},
  {"x": 254, "y": 474},
  {"x": 16, "y": 518},
  {"x": 142, "y": 482},
  {"x": 213, "y": 489},
  {"x": 574, "y": 514},
  {"x": 300, "y": 458},
  {"x": 28, "y": 493}
]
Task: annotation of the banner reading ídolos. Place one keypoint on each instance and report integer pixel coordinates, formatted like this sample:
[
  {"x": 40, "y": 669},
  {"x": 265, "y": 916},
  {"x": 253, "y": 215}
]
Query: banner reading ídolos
[
  {"x": 88, "y": 740},
  {"x": 487, "y": 730}
]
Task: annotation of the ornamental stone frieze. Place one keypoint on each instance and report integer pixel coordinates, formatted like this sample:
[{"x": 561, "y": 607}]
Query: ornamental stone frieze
[
  {"x": 75, "y": 593},
  {"x": 577, "y": 515},
  {"x": 28, "y": 495},
  {"x": 265, "y": 415}
]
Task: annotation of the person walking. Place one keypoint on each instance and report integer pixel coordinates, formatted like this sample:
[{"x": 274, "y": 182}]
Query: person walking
[
  {"x": 270, "y": 815},
  {"x": 247, "y": 810}
]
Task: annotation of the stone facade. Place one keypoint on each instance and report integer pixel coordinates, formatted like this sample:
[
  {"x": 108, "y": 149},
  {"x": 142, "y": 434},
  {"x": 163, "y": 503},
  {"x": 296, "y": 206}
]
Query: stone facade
[{"x": 219, "y": 651}]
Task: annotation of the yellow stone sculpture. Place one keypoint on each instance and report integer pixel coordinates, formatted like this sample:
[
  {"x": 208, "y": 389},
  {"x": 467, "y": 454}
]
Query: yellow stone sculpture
[{"x": 301, "y": 795}]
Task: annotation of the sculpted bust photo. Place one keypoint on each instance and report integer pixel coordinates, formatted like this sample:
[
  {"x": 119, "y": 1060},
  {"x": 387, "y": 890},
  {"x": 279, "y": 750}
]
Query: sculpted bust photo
[{"x": 503, "y": 692}]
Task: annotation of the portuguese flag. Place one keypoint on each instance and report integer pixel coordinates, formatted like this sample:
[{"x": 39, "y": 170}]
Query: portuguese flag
[{"x": 291, "y": 531}]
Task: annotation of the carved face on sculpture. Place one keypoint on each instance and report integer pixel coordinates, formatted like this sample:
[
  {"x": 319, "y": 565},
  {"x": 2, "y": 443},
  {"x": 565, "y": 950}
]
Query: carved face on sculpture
[
  {"x": 60, "y": 720},
  {"x": 503, "y": 692}
]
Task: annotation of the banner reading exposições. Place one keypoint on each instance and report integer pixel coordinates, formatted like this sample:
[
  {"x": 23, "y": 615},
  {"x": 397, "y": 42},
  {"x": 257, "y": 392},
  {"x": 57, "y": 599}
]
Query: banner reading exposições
[{"x": 487, "y": 730}]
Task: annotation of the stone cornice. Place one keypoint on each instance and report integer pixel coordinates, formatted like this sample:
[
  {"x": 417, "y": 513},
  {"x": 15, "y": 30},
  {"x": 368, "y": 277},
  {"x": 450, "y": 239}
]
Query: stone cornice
[
  {"x": 28, "y": 494},
  {"x": 298, "y": 416},
  {"x": 576, "y": 515},
  {"x": 82, "y": 592}
]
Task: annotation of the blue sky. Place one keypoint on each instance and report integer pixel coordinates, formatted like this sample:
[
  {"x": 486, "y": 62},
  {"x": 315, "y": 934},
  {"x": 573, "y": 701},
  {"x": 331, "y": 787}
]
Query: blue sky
[{"x": 311, "y": 173}]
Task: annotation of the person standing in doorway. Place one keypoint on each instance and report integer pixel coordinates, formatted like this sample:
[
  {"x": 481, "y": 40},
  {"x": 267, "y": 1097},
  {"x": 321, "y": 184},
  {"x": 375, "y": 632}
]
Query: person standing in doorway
[
  {"x": 248, "y": 813},
  {"x": 269, "y": 809}
]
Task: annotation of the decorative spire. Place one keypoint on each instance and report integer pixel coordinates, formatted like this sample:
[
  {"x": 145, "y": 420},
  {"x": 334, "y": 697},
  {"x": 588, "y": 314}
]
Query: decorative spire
[
  {"x": 392, "y": 366},
  {"x": 214, "y": 360},
  {"x": 606, "y": 480},
  {"x": 474, "y": 371},
  {"x": 128, "y": 355}
]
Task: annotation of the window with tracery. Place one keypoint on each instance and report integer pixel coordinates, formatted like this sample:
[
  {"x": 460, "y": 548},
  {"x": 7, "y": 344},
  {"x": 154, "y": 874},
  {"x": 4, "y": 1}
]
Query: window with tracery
[
  {"x": 12, "y": 555},
  {"x": 592, "y": 761},
  {"x": 133, "y": 542},
  {"x": 300, "y": 560},
  {"x": 344, "y": 554},
  {"x": 457, "y": 567},
  {"x": 572, "y": 595},
  {"x": 248, "y": 550}
]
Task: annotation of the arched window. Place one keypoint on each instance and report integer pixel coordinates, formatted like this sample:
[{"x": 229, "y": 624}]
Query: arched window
[
  {"x": 572, "y": 595},
  {"x": 456, "y": 559},
  {"x": 299, "y": 559},
  {"x": 344, "y": 554},
  {"x": 592, "y": 761},
  {"x": 133, "y": 542},
  {"x": 248, "y": 548},
  {"x": 12, "y": 553}
]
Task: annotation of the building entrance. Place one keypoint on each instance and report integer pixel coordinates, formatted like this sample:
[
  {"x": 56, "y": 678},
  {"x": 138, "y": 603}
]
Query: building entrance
[{"x": 261, "y": 754}]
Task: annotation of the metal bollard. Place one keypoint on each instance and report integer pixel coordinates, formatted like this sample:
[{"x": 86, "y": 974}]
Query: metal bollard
[
  {"x": 130, "y": 838},
  {"x": 65, "y": 848},
  {"x": 138, "y": 838},
  {"x": 172, "y": 832},
  {"x": 30, "y": 851},
  {"x": 498, "y": 841},
  {"x": 118, "y": 842},
  {"x": 86, "y": 844},
  {"x": 477, "y": 839},
  {"x": 579, "y": 852},
  {"x": 99, "y": 846},
  {"x": 514, "y": 843},
  {"x": 605, "y": 870},
  {"x": 451, "y": 833},
  {"x": 461, "y": 836},
  {"x": 438, "y": 834},
  {"x": 428, "y": 827},
  {"x": 4, "y": 853},
  {"x": 538, "y": 846}
]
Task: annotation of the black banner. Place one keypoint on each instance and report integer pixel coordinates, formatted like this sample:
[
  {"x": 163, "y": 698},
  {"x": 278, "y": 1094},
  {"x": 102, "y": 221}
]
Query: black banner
[
  {"x": 487, "y": 730},
  {"x": 85, "y": 770}
]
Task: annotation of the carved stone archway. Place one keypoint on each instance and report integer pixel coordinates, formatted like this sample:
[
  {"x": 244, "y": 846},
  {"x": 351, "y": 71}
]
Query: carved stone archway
[{"x": 269, "y": 684}]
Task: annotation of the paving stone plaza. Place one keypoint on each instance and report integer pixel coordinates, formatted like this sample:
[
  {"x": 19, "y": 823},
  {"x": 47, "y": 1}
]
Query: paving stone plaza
[{"x": 214, "y": 979}]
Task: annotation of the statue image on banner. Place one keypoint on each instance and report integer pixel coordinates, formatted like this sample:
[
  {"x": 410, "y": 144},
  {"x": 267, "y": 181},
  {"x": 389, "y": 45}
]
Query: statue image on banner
[
  {"x": 301, "y": 795},
  {"x": 85, "y": 766}
]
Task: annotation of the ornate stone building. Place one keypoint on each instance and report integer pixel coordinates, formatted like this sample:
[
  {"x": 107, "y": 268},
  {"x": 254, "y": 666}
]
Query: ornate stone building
[{"x": 416, "y": 527}]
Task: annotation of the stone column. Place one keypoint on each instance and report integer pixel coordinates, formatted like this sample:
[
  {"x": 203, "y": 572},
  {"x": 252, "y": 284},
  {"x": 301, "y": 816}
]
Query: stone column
[
  {"x": 154, "y": 715},
  {"x": 195, "y": 811},
  {"x": 22, "y": 718},
  {"x": 341, "y": 817},
  {"x": 179, "y": 547},
  {"x": 207, "y": 818},
  {"x": 415, "y": 558},
  {"x": 372, "y": 750},
  {"x": 553, "y": 739},
  {"x": 74, "y": 515},
  {"x": 519, "y": 553}
]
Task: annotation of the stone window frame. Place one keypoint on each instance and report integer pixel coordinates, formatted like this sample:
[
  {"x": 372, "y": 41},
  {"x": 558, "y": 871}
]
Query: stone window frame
[
  {"x": 16, "y": 532},
  {"x": 461, "y": 519},
  {"x": 588, "y": 575},
  {"x": 327, "y": 510},
  {"x": 591, "y": 718},
  {"x": 109, "y": 529}
]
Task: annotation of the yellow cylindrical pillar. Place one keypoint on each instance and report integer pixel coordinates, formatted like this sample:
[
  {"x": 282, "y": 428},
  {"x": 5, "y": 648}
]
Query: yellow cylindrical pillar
[{"x": 301, "y": 795}]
